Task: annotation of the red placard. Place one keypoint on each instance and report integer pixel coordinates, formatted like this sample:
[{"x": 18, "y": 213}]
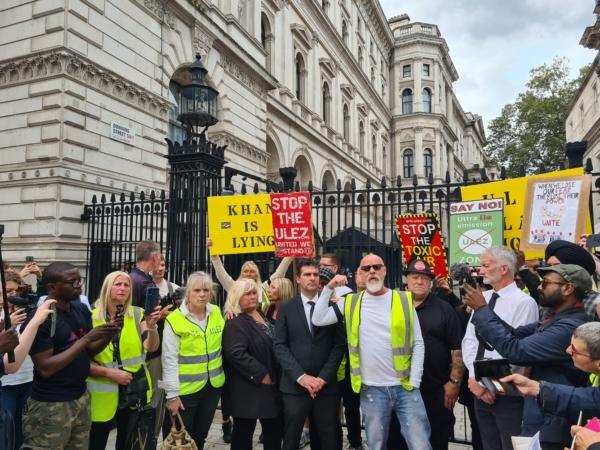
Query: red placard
[
  {"x": 421, "y": 237},
  {"x": 292, "y": 225}
]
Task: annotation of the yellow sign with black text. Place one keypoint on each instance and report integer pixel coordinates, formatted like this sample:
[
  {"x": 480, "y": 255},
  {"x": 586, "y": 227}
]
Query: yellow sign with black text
[
  {"x": 240, "y": 224},
  {"x": 513, "y": 192}
]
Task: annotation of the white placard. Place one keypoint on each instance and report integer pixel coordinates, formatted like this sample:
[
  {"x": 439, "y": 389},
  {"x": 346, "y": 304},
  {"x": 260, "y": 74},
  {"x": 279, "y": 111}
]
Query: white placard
[{"x": 122, "y": 133}]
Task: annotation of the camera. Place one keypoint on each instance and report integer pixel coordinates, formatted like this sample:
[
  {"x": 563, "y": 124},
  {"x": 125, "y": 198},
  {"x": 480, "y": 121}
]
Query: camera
[
  {"x": 465, "y": 274},
  {"x": 175, "y": 298},
  {"x": 25, "y": 298}
]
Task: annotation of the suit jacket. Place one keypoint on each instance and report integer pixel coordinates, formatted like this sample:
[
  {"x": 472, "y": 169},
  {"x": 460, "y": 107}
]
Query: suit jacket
[
  {"x": 248, "y": 356},
  {"x": 300, "y": 352}
]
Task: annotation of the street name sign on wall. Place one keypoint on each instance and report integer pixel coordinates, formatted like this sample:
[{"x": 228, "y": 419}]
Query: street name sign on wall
[
  {"x": 122, "y": 133},
  {"x": 474, "y": 227},
  {"x": 421, "y": 237},
  {"x": 254, "y": 223}
]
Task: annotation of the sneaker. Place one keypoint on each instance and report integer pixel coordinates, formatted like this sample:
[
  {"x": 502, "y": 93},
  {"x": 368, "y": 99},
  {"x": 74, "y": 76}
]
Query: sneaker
[
  {"x": 304, "y": 439},
  {"x": 227, "y": 426}
]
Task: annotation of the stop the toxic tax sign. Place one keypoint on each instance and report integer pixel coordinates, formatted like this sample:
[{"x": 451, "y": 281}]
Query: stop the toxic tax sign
[{"x": 475, "y": 226}]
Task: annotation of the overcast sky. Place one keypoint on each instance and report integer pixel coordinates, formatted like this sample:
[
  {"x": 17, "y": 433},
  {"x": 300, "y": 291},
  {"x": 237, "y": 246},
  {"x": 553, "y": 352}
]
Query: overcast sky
[{"x": 494, "y": 43}]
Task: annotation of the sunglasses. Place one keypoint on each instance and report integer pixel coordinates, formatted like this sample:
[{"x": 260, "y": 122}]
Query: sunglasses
[{"x": 375, "y": 267}]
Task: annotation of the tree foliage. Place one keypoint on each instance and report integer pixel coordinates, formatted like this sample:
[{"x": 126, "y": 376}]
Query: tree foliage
[{"x": 529, "y": 135}]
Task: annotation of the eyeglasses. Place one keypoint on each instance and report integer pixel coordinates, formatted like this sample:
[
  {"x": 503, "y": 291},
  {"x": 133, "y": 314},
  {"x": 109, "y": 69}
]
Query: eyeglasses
[
  {"x": 545, "y": 283},
  {"x": 375, "y": 267},
  {"x": 75, "y": 283},
  {"x": 571, "y": 348}
]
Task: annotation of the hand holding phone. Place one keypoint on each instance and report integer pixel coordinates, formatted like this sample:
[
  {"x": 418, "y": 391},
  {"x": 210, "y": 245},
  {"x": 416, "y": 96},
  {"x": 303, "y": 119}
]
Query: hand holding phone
[{"x": 151, "y": 300}]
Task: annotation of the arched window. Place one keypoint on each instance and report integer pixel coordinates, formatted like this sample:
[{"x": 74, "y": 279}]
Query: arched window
[
  {"x": 428, "y": 161},
  {"x": 360, "y": 57},
  {"x": 374, "y": 149},
  {"x": 346, "y": 123},
  {"x": 361, "y": 142},
  {"x": 407, "y": 101},
  {"x": 326, "y": 103},
  {"x": 345, "y": 32},
  {"x": 426, "y": 100},
  {"x": 299, "y": 77},
  {"x": 408, "y": 163},
  {"x": 176, "y": 131}
]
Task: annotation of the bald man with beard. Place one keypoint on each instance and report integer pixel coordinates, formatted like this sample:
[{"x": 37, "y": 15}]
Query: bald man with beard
[{"x": 385, "y": 353}]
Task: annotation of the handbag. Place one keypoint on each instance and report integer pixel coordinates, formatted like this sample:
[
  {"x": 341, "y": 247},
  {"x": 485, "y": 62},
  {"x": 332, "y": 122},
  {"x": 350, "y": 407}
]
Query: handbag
[
  {"x": 135, "y": 392},
  {"x": 178, "y": 439}
]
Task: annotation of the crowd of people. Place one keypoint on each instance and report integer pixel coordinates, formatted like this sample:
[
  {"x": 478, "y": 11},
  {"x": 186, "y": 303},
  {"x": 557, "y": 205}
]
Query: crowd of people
[{"x": 519, "y": 346}]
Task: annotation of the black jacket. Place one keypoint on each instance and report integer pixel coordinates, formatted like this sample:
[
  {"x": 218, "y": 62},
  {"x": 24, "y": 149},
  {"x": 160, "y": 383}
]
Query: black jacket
[
  {"x": 248, "y": 357},
  {"x": 299, "y": 352}
]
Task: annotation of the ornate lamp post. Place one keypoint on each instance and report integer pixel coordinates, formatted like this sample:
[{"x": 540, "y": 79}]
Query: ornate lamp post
[{"x": 198, "y": 102}]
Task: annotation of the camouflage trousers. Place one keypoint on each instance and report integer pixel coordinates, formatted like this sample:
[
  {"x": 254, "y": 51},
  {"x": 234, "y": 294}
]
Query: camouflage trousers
[{"x": 57, "y": 425}]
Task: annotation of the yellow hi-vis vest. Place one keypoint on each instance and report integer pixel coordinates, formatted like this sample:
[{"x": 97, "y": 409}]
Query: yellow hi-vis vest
[
  {"x": 104, "y": 392},
  {"x": 199, "y": 351},
  {"x": 401, "y": 332},
  {"x": 264, "y": 303}
]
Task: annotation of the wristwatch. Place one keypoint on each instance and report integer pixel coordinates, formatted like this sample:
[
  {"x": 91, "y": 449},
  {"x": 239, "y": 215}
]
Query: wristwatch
[{"x": 455, "y": 381}]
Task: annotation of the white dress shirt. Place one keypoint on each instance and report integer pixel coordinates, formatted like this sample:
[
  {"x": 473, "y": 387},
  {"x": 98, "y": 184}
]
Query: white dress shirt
[
  {"x": 374, "y": 340},
  {"x": 170, "y": 351},
  {"x": 514, "y": 307}
]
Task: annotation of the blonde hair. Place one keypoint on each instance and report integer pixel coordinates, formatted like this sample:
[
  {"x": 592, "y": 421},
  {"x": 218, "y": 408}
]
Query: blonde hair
[
  {"x": 284, "y": 287},
  {"x": 239, "y": 288},
  {"x": 101, "y": 304},
  {"x": 203, "y": 280},
  {"x": 253, "y": 265}
]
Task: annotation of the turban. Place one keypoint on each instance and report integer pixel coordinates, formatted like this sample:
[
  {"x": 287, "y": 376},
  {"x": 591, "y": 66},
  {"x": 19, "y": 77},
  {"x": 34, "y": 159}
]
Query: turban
[{"x": 570, "y": 253}]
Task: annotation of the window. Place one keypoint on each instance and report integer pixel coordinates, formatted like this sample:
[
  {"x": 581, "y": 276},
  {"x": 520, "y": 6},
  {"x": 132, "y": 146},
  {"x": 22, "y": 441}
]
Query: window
[
  {"x": 373, "y": 75},
  {"x": 371, "y": 47},
  {"x": 406, "y": 72},
  {"x": 325, "y": 5},
  {"x": 407, "y": 162},
  {"x": 360, "y": 57},
  {"x": 428, "y": 161},
  {"x": 265, "y": 38},
  {"x": 345, "y": 32},
  {"x": 346, "y": 123},
  {"x": 359, "y": 25},
  {"x": 361, "y": 143},
  {"x": 407, "y": 101},
  {"x": 374, "y": 149},
  {"x": 426, "y": 100},
  {"x": 383, "y": 88},
  {"x": 176, "y": 132},
  {"x": 595, "y": 94},
  {"x": 426, "y": 70},
  {"x": 326, "y": 97},
  {"x": 299, "y": 77}
]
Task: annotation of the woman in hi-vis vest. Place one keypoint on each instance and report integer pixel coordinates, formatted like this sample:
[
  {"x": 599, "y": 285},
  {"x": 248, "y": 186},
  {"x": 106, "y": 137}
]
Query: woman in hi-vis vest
[
  {"x": 191, "y": 357},
  {"x": 121, "y": 363}
]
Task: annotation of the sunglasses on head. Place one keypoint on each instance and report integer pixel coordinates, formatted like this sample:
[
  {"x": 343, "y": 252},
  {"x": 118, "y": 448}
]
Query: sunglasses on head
[{"x": 368, "y": 267}]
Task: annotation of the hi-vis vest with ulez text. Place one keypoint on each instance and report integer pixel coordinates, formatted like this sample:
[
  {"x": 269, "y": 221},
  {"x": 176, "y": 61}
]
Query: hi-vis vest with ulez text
[
  {"x": 200, "y": 357},
  {"x": 104, "y": 392},
  {"x": 401, "y": 332}
]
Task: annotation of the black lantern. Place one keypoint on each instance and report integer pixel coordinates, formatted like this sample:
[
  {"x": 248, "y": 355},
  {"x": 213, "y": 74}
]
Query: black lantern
[{"x": 198, "y": 102}]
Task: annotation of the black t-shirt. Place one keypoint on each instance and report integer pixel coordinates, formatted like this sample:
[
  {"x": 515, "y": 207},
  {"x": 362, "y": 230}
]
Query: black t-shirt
[
  {"x": 69, "y": 383},
  {"x": 442, "y": 333}
]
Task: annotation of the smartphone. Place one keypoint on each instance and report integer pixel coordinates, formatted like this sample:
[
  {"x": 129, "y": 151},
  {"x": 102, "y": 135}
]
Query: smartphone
[
  {"x": 29, "y": 259},
  {"x": 151, "y": 299},
  {"x": 593, "y": 240}
]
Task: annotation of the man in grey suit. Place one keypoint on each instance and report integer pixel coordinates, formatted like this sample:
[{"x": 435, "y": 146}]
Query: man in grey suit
[{"x": 309, "y": 357}]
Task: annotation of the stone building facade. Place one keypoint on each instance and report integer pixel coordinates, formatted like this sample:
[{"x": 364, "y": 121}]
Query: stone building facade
[{"x": 88, "y": 92}]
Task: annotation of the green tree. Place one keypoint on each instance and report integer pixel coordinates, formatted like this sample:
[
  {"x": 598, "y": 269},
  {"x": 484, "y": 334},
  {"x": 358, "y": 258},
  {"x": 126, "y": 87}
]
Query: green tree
[{"x": 529, "y": 135}]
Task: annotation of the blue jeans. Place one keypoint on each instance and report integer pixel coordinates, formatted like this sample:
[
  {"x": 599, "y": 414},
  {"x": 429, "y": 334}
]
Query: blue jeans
[
  {"x": 377, "y": 404},
  {"x": 14, "y": 399}
]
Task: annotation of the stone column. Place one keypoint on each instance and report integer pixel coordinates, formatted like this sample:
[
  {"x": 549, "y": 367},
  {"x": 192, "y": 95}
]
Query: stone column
[
  {"x": 419, "y": 151},
  {"x": 417, "y": 94}
]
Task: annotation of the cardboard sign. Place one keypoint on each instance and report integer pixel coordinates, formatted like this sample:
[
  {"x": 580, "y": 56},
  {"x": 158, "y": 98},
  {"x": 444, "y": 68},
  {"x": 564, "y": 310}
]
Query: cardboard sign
[
  {"x": 513, "y": 193},
  {"x": 240, "y": 224},
  {"x": 557, "y": 208},
  {"x": 255, "y": 223},
  {"x": 474, "y": 227},
  {"x": 292, "y": 225},
  {"x": 421, "y": 237}
]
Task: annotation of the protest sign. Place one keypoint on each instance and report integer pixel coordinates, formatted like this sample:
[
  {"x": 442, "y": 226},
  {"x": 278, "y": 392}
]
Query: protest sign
[
  {"x": 292, "y": 225},
  {"x": 513, "y": 192},
  {"x": 557, "y": 208},
  {"x": 240, "y": 224},
  {"x": 474, "y": 227},
  {"x": 255, "y": 223},
  {"x": 421, "y": 237}
]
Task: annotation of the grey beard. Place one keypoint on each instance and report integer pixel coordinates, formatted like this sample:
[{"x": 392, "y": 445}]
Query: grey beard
[{"x": 374, "y": 286}]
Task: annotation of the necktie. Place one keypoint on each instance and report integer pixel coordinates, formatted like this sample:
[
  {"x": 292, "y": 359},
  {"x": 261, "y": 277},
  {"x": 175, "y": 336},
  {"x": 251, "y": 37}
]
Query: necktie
[
  {"x": 482, "y": 345},
  {"x": 312, "y": 308}
]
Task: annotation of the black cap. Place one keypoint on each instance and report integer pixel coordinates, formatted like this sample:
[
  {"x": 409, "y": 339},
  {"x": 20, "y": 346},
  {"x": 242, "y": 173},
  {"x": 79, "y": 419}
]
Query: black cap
[{"x": 419, "y": 266}]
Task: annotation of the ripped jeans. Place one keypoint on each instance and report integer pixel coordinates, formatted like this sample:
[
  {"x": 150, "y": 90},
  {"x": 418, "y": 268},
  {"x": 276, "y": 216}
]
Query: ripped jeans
[{"x": 377, "y": 404}]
